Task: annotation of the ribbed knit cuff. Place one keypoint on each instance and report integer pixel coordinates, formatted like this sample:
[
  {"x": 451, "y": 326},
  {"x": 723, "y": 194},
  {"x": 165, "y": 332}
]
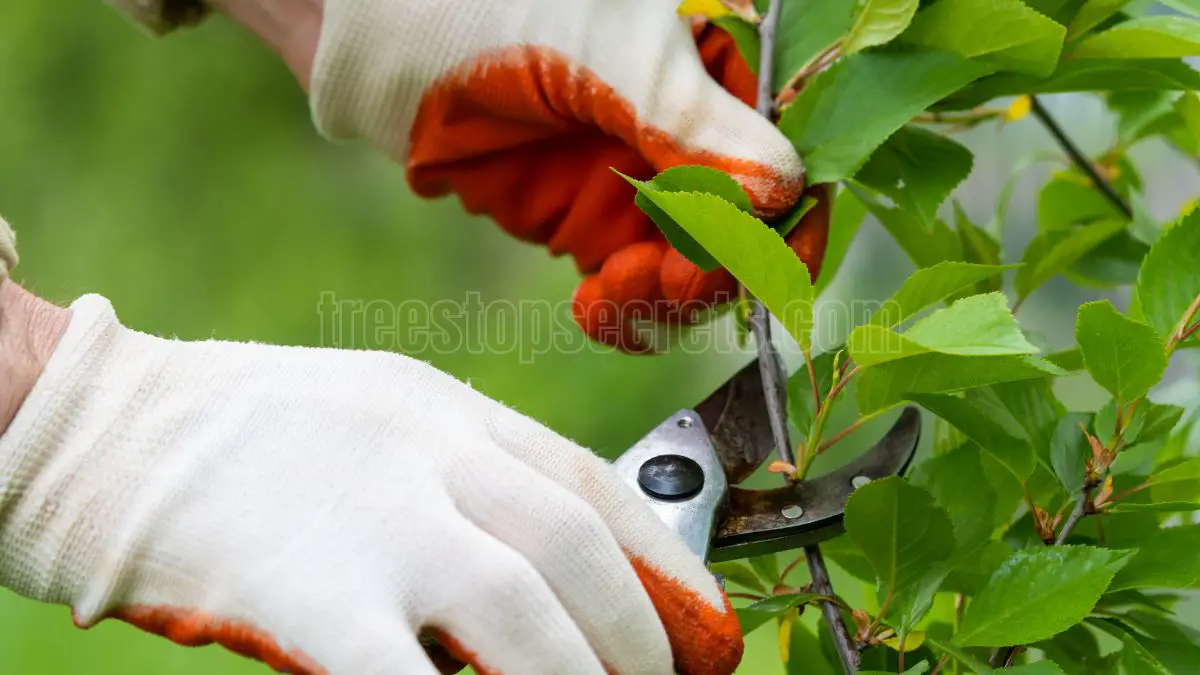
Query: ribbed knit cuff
[
  {"x": 163, "y": 16},
  {"x": 8, "y": 249},
  {"x": 49, "y": 526}
]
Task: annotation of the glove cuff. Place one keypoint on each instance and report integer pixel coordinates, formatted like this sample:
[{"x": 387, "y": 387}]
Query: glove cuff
[
  {"x": 8, "y": 250},
  {"x": 52, "y": 460},
  {"x": 163, "y": 16}
]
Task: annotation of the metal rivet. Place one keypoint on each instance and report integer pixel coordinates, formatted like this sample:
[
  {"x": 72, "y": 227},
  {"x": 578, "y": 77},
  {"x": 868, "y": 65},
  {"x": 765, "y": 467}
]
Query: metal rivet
[
  {"x": 859, "y": 481},
  {"x": 792, "y": 511},
  {"x": 685, "y": 423},
  {"x": 671, "y": 477}
]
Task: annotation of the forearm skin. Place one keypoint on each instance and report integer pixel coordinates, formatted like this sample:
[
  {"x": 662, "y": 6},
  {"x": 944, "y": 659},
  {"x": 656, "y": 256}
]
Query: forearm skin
[{"x": 30, "y": 329}]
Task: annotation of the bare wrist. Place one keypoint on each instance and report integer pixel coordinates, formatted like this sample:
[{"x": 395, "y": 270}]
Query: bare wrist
[{"x": 30, "y": 329}]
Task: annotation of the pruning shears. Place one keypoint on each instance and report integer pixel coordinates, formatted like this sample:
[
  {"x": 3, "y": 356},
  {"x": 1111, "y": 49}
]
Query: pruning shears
[{"x": 688, "y": 467}]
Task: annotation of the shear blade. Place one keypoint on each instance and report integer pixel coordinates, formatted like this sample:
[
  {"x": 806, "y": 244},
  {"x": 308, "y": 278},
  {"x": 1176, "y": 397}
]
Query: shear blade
[
  {"x": 808, "y": 512},
  {"x": 737, "y": 422}
]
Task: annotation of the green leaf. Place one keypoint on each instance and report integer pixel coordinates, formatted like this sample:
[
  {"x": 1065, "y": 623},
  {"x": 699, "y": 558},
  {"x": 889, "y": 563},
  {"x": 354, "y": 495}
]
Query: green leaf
[
  {"x": 1161, "y": 419},
  {"x": 741, "y": 575},
  {"x": 1124, "y": 356},
  {"x": 1006, "y": 33},
  {"x": 1177, "y": 483},
  {"x": 1105, "y": 424},
  {"x": 926, "y": 247},
  {"x": 978, "y": 325},
  {"x": 980, "y": 247},
  {"x": 917, "y": 170},
  {"x": 1138, "y": 661},
  {"x": 844, "y": 223},
  {"x": 1092, "y": 14},
  {"x": 878, "y": 22},
  {"x": 766, "y": 566},
  {"x": 959, "y": 654},
  {"x": 891, "y": 383},
  {"x": 907, "y": 538},
  {"x": 1070, "y": 199},
  {"x": 754, "y": 253},
  {"x": 848, "y": 111},
  {"x": 1170, "y": 278},
  {"x": 1029, "y": 406},
  {"x": 973, "y": 569},
  {"x": 930, "y": 285},
  {"x": 791, "y": 219},
  {"x": 1051, "y": 253},
  {"x": 1148, "y": 37},
  {"x": 1082, "y": 75},
  {"x": 800, "y": 396},
  {"x": 1037, "y": 593},
  {"x": 1012, "y": 452},
  {"x": 1069, "y": 451},
  {"x": 1165, "y": 560},
  {"x": 1068, "y": 359},
  {"x": 805, "y": 656},
  {"x": 756, "y": 614},
  {"x": 687, "y": 179},
  {"x": 959, "y": 484}
]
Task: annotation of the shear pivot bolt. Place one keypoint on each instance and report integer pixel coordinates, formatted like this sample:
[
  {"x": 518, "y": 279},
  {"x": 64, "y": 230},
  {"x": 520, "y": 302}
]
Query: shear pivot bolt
[
  {"x": 671, "y": 477},
  {"x": 685, "y": 423},
  {"x": 792, "y": 511}
]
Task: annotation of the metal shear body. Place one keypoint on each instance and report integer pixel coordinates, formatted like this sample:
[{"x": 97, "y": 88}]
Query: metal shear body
[{"x": 687, "y": 469}]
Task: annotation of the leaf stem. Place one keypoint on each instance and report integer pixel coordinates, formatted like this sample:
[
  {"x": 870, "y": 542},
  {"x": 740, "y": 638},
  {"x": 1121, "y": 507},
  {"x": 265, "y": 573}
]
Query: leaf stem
[
  {"x": 1184, "y": 329},
  {"x": 1077, "y": 157},
  {"x": 788, "y": 570},
  {"x": 841, "y": 434}
]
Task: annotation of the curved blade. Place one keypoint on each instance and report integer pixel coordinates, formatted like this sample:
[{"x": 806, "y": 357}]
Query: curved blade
[
  {"x": 758, "y": 521},
  {"x": 737, "y": 422}
]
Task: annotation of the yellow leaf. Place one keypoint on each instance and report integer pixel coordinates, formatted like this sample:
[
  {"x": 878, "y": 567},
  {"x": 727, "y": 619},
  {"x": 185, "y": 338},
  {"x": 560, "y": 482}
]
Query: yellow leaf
[
  {"x": 785, "y": 635},
  {"x": 1018, "y": 109},
  {"x": 713, "y": 9},
  {"x": 912, "y": 642}
]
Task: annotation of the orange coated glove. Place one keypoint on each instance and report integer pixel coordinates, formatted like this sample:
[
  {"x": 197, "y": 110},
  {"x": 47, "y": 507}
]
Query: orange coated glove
[{"x": 522, "y": 107}]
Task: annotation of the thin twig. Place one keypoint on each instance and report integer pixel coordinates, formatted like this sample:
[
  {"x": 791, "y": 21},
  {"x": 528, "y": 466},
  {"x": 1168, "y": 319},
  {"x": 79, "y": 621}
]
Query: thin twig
[
  {"x": 772, "y": 368},
  {"x": 941, "y": 662},
  {"x": 1078, "y": 157},
  {"x": 1001, "y": 657}
]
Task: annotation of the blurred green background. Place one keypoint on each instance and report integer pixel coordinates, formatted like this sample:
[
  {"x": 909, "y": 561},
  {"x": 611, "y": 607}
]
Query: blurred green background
[{"x": 182, "y": 179}]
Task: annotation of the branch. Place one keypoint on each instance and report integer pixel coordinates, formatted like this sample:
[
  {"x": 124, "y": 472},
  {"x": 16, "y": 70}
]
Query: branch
[
  {"x": 821, "y": 585},
  {"x": 1001, "y": 656},
  {"x": 1078, "y": 157},
  {"x": 774, "y": 382},
  {"x": 1077, "y": 515}
]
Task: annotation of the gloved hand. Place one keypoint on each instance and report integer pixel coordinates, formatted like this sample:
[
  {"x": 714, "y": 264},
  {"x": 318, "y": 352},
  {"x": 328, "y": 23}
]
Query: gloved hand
[
  {"x": 520, "y": 107},
  {"x": 319, "y": 509}
]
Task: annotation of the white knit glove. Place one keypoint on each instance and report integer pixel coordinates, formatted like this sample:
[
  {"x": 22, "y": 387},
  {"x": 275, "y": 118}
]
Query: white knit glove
[{"x": 318, "y": 509}]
